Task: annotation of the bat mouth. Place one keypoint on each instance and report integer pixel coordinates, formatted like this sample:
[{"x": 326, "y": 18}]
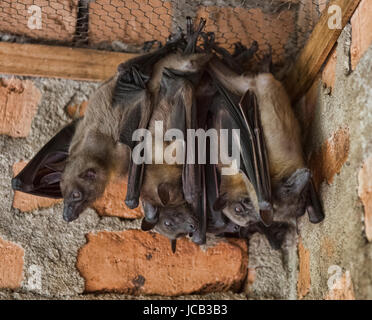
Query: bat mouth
[{"x": 71, "y": 211}]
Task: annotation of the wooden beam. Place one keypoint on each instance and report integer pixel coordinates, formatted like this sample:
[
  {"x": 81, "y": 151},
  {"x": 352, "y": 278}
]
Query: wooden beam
[
  {"x": 59, "y": 62},
  {"x": 316, "y": 50}
]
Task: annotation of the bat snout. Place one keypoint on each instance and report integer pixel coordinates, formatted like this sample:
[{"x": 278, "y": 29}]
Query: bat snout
[{"x": 71, "y": 211}]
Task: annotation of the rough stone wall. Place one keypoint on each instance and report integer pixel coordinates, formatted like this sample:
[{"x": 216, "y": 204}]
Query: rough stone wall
[{"x": 104, "y": 255}]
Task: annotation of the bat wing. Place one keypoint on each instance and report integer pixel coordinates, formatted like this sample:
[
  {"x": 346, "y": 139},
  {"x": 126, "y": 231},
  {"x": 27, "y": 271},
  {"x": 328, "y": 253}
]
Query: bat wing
[
  {"x": 130, "y": 93},
  {"x": 180, "y": 93},
  {"x": 245, "y": 116},
  {"x": 42, "y": 175},
  {"x": 212, "y": 186}
]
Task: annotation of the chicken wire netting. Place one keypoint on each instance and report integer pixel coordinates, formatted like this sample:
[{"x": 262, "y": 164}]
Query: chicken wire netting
[{"x": 124, "y": 25}]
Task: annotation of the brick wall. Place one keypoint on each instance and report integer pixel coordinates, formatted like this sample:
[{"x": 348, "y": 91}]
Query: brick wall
[{"x": 104, "y": 253}]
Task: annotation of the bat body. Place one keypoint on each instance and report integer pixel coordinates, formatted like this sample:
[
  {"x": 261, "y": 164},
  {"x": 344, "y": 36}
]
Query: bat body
[{"x": 95, "y": 153}]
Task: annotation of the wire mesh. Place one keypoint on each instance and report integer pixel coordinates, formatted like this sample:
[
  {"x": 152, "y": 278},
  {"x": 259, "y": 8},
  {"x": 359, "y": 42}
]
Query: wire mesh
[{"x": 124, "y": 25}]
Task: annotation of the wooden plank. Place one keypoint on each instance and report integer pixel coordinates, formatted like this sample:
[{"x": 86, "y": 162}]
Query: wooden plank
[
  {"x": 316, "y": 50},
  {"x": 59, "y": 62},
  {"x": 361, "y": 24}
]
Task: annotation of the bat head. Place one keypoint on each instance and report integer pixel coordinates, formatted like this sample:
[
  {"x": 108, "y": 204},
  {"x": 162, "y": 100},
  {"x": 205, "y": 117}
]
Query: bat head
[
  {"x": 176, "y": 222},
  {"x": 241, "y": 210},
  {"x": 82, "y": 183},
  {"x": 172, "y": 222},
  {"x": 85, "y": 177},
  {"x": 176, "y": 219},
  {"x": 173, "y": 218}
]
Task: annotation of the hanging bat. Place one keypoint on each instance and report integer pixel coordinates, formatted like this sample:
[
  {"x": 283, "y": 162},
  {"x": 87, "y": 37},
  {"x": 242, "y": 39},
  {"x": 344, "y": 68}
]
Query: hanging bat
[
  {"x": 274, "y": 118},
  {"x": 171, "y": 193}
]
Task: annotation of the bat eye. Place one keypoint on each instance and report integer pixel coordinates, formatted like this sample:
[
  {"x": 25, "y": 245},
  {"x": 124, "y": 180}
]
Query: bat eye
[
  {"x": 167, "y": 223},
  {"x": 236, "y": 228},
  {"x": 238, "y": 209},
  {"x": 89, "y": 174},
  {"x": 192, "y": 227},
  {"x": 76, "y": 195}
]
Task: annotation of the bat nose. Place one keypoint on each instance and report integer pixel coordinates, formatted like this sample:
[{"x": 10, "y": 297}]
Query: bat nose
[{"x": 69, "y": 212}]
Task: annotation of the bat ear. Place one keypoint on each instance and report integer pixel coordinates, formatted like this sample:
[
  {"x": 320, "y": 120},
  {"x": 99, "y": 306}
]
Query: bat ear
[
  {"x": 220, "y": 203},
  {"x": 164, "y": 193},
  {"x": 58, "y": 166},
  {"x": 147, "y": 226},
  {"x": 151, "y": 216},
  {"x": 151, "y": 212},
  {"x": 267, "y": 216},
  {"x": 89, "y": 174}
]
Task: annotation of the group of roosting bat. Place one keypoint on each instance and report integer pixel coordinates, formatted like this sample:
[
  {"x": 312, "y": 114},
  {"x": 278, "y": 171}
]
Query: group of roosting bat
[{"x": 189, "y": 83}]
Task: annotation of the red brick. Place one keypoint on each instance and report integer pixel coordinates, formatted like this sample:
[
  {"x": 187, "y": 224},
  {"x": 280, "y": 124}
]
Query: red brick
[
  {"x": 137, "y": 21},
  {"x": 238, "y": 24},
  {"x": 27, "y": 202},
  {"x": 343, "y": 290},
  {"x": 112, "y": 201},
  {"x": 328, "y": 161},
  {"x": 304, "y": 279},
  {"x": 58, "y": 20},
  {"x": 361, "y": 23},
  {"x": 329, "y": 71},
  {"x": 138, "y": 262},
  {"x": 365, "y": 194},
  {"x": 11, "y": 265},
  {"x": 18, "y": 105}
]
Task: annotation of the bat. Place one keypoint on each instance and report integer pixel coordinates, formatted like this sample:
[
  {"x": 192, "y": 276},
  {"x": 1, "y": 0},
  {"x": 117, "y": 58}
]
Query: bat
[
  {"x": 171, "y": 193},
  {"x": 281, "y": 134}
]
